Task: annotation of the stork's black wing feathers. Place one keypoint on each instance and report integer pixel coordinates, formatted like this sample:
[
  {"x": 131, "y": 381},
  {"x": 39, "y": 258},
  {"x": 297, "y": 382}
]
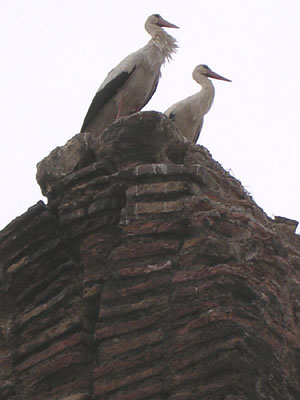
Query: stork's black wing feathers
[{"x": 103, "y": 95}]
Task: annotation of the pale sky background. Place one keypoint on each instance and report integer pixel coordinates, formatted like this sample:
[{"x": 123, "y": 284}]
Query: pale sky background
[{"x": 56, "y": 53}]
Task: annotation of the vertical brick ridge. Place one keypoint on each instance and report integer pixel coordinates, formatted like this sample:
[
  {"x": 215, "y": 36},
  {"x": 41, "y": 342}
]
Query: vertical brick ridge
[
  {"x": 89, "y": 212},
  {"x": 134, "y": 318}
]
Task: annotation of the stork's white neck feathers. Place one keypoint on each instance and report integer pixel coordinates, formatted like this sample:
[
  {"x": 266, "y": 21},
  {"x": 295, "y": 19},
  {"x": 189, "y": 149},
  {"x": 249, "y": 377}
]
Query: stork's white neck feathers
[
  {"x": 202, "y": 80},
  {"x": 161, "y": 41},
  {"x": 165, "y": 43},
  {"x": 205, "y": 97}
]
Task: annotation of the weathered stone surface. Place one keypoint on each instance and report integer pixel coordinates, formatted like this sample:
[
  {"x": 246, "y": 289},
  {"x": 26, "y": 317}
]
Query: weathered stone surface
[
  {"x": 146, "y": 137},
  {"x": 150, "y": 274},
  {"x": 64, "y": 160}
]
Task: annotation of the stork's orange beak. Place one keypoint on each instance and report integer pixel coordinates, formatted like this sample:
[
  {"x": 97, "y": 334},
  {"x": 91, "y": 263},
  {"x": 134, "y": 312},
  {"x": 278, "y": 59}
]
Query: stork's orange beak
[
  {"x": 212, "y": 74},
  {"x": 165, "y": 24}
]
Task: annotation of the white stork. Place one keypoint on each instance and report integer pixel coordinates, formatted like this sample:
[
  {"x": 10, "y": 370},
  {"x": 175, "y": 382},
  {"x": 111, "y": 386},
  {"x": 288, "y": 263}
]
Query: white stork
[
  {"x": 131, "y": 84},
  {"x": 188, "y": 114}
]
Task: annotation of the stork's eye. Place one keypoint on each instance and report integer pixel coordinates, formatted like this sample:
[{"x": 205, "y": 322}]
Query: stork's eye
[
  {"x": 205, "y": 66},
  {"x": 157, "y": 15}
]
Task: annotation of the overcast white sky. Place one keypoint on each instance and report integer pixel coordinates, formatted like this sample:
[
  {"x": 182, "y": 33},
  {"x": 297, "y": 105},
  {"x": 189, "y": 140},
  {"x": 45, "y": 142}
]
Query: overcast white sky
[{"x": 56, "y": 53}]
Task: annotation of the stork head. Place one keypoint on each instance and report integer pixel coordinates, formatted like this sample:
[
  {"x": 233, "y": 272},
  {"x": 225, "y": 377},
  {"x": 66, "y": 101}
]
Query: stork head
[
  {"x": 204, "y": 70},
  {"x": 156, "y": 22}
]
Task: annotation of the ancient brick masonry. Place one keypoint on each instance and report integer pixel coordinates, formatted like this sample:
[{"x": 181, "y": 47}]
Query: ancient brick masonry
[{"x": 150, "y": 274}]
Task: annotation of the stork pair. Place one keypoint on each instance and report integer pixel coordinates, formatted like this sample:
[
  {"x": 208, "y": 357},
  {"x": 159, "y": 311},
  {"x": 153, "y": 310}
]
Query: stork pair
[{"x": 132, "y": 83}]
